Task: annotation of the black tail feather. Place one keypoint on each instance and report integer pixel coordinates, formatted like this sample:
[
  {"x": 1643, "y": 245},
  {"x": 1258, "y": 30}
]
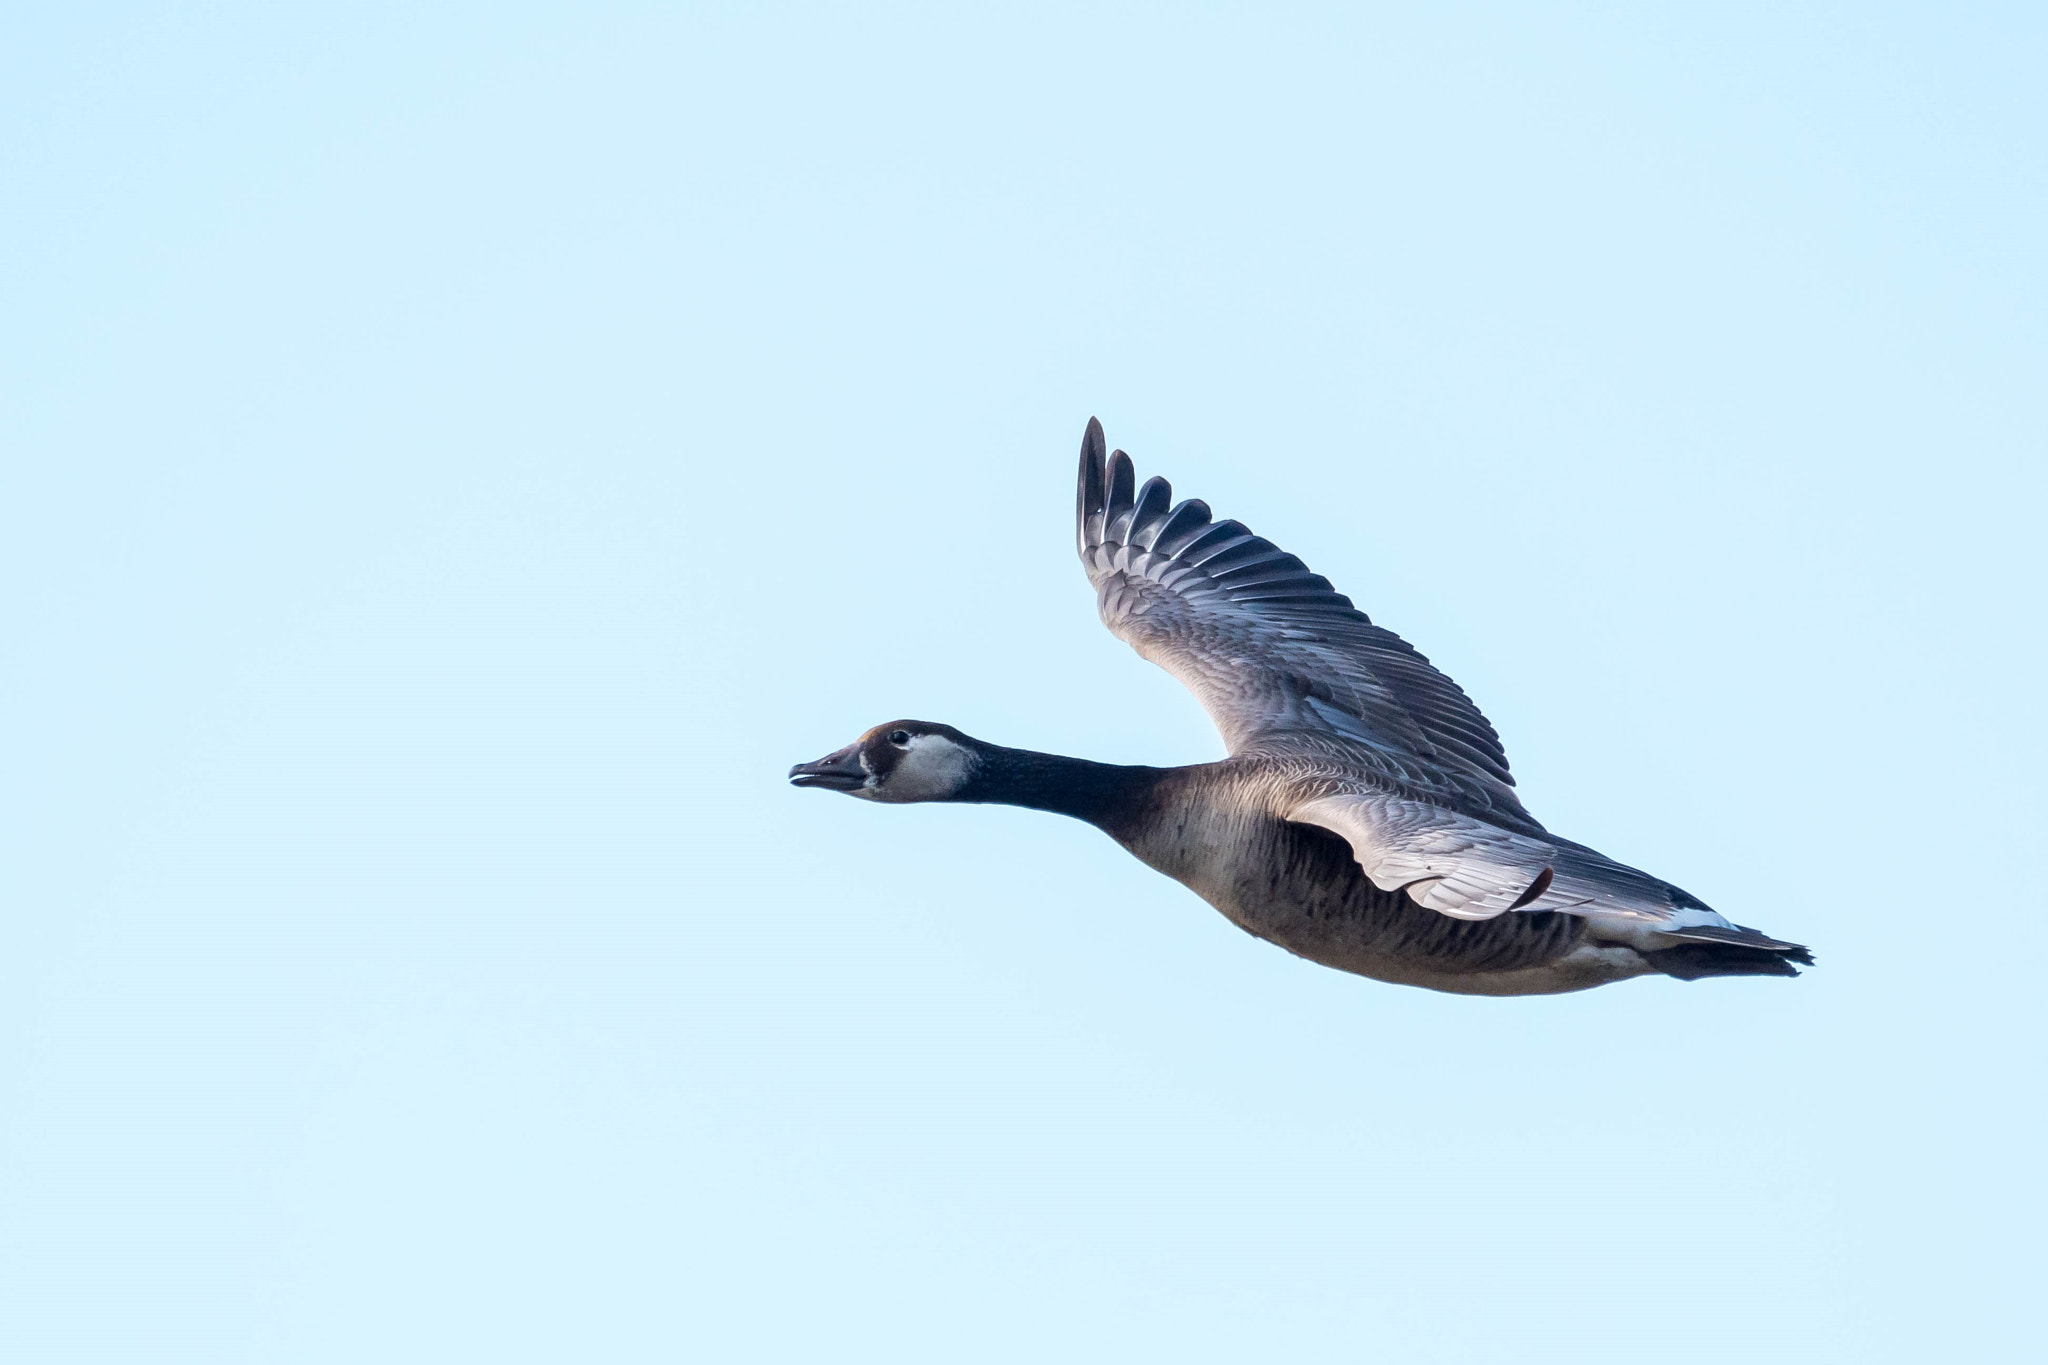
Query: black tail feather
[{"x": 1692, "y": 961}]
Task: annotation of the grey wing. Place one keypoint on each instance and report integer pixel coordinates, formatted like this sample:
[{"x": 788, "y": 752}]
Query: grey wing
[
  {"x": 1279, "y": 659},
  {"x": 1473, "y": 869}
]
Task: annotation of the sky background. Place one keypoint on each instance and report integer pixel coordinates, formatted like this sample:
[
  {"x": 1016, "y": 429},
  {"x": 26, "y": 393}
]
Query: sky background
[{"x": 454, "y": 460}]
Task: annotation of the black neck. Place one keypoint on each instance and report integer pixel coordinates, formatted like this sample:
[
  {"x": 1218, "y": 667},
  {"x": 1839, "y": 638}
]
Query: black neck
[{"x": 1100, "y": 793}]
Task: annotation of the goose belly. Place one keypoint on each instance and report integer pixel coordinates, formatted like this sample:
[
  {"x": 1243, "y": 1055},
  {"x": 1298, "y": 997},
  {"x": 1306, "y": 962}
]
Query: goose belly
[{"x": 1298, "y": 886}]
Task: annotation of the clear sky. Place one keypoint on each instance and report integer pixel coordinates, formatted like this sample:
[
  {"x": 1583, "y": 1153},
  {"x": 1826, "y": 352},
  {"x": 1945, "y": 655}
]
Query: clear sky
[{"x": 453, "y": 462}]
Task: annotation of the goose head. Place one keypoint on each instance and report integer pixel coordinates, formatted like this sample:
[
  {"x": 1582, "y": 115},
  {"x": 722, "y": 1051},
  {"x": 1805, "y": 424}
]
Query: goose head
[{"x": 905, "y": 760}]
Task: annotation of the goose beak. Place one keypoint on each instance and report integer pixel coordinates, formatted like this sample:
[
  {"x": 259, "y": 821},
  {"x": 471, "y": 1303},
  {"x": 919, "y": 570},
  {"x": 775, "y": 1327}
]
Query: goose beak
[{"x": 840, "y": 772}]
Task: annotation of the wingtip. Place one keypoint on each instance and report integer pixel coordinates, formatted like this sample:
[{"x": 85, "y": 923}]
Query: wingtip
[{"x": 1089, "y": 490}]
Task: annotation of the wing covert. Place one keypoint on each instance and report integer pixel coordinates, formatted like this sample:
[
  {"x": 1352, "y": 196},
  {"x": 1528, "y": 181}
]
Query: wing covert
[{"x": 1472, "y": 869}]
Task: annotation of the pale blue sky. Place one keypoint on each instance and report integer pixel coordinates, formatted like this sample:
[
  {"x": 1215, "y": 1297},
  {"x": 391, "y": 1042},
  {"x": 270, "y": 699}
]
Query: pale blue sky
[{"x": 454, "y": 462}]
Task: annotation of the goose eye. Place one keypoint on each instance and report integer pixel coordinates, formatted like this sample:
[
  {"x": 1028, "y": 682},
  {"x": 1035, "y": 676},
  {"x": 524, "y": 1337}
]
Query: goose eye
[{"x": 900, "y": 738}]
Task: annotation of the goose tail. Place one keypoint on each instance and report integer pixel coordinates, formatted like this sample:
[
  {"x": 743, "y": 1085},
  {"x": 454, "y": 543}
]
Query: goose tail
[{"x": 1710, "y": 950}]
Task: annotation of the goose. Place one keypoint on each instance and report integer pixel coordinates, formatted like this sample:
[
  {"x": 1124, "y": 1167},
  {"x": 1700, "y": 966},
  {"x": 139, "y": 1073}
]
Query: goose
[{"x": 1365, "y": 818}]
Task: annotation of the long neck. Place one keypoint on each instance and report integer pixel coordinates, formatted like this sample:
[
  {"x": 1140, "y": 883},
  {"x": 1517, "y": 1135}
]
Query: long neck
[{"x": 1103, "y": 794}]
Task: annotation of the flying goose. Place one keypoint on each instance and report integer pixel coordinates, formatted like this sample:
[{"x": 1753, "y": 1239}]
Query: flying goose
[{"x": 1365, "y": 818}]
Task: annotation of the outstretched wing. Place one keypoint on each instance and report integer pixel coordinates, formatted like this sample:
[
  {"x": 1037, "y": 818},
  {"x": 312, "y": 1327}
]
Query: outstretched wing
[{"x": 1278, "y": 658}]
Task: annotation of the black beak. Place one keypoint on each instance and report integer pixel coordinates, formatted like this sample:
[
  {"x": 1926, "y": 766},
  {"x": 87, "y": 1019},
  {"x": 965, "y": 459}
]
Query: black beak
[{"x": 840, "y": 772}]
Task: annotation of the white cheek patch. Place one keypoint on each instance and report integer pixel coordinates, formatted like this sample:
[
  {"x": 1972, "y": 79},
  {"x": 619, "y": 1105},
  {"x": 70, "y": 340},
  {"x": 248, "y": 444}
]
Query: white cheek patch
[{"x": 931, "y": 769}]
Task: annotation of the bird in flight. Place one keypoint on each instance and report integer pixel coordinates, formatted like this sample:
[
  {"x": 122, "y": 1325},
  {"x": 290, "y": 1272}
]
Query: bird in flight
[{"x": 1365, "y": 818}]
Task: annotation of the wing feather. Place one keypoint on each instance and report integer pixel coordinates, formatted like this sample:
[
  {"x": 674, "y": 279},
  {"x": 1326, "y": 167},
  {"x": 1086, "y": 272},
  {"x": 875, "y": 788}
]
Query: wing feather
[
  {"x": 1278, "y": 657},
  {"x": 1470, "y": 869}
]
